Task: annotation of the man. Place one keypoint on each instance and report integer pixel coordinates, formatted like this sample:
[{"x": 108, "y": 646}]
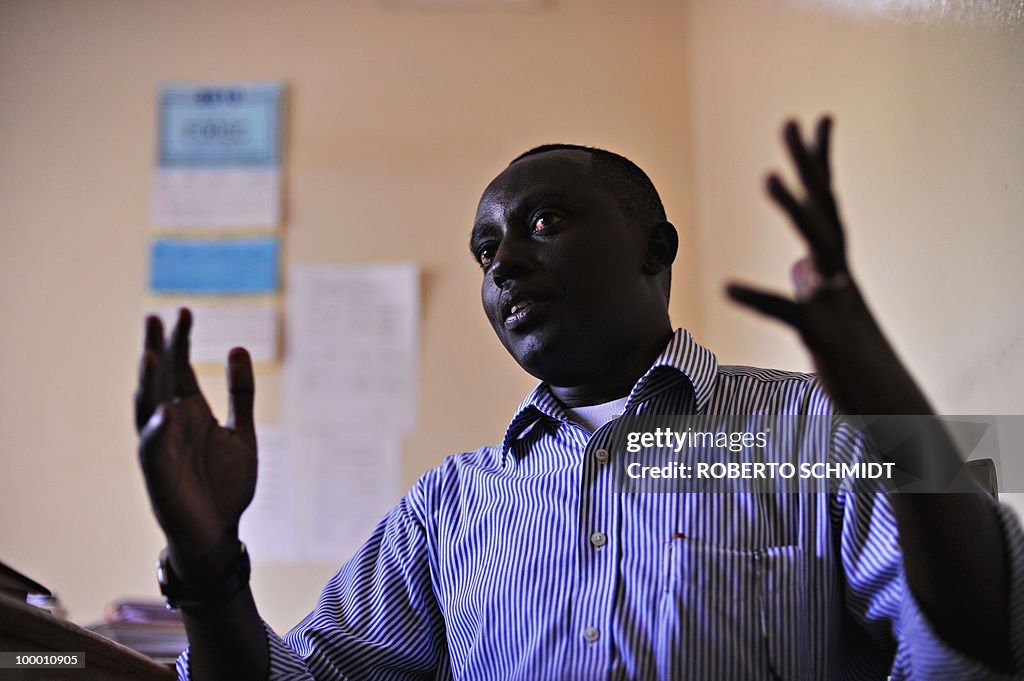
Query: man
[{"x": 526, "y": 561}]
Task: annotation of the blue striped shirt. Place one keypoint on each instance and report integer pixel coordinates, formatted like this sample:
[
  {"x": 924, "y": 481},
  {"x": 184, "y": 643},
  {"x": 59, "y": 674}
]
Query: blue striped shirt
[{"x": 525, "y": 561}]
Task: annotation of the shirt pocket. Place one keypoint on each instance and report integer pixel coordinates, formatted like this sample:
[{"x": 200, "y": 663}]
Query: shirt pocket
[{"x": 729, "y": 612}]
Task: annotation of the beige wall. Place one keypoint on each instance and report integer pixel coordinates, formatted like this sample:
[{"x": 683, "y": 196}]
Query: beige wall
[
  {"x": 928, "y": 163},
  {"x": 397, "y": 119},
  {"x": 929, "y": 166}
]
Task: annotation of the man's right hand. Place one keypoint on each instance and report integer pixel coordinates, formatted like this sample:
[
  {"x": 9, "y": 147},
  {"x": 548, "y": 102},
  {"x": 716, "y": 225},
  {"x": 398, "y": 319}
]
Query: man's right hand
[{"x": 200, "y": 475}]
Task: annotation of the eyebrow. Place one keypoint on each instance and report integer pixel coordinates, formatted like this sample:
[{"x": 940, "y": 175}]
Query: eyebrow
[
  {"x": 479, "y": 233},
  {"x": 524, "y": 205}
]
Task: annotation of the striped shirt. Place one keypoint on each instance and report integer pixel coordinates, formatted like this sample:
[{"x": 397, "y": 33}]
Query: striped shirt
[{"x": 527, "y": 561}]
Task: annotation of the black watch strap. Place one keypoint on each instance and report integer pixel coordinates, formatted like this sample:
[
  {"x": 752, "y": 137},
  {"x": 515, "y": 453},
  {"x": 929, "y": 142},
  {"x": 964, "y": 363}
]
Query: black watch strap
[{"x": 181, "y": 594}]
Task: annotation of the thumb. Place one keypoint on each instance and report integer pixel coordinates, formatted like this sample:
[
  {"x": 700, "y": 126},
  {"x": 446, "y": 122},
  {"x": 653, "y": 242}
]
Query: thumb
[
  {"x": 158, "y": 436},
  {"x": 768, "y": 304}
]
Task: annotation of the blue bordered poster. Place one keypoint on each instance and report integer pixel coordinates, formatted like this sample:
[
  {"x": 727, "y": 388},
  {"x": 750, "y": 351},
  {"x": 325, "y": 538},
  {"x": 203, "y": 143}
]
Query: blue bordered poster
[
  {"x": 220, "y": 126},
  {"x": 214, "y": 266},
  {"x": 218, "y": 155}
]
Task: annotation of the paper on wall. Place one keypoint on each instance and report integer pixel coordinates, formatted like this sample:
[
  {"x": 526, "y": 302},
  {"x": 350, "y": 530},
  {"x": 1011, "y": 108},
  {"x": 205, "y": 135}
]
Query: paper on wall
[
  {"x": 353, "y": 347},
  {"x": 216, "y": 198},
  {"x": 218, "y": 155},
  {"x": 216, "y": 328},
  {"x": 319, "y": 493},
  {"x": 354, "y": 482},
  {"x": 268, "y": 525}
]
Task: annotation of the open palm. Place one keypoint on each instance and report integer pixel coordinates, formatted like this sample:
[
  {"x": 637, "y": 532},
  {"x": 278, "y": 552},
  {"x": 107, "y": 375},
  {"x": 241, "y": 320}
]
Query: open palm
[{"x": 200, "y": 475}]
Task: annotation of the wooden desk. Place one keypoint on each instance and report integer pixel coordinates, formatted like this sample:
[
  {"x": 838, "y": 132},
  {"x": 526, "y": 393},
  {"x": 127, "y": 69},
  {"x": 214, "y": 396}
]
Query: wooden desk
[{"x": 24, "y": 628}]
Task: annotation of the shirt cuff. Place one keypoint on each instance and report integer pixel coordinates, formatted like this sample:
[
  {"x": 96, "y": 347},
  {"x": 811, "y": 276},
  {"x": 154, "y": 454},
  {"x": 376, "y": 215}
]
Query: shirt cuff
[
  {"x": 284, "y": 665},
  {"x": 922, "y": 654}
]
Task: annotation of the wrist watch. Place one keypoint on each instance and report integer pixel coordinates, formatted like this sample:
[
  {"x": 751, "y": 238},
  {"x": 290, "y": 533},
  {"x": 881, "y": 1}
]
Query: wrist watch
[{"x": 219, "y": 589}]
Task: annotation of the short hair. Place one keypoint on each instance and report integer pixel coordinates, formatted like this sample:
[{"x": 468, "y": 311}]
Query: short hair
[{"x": 627, "y": 182}]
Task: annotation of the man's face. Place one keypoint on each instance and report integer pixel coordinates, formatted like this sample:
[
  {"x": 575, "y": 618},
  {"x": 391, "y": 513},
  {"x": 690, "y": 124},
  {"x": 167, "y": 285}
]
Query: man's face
[{"x": 563, "y": 285}]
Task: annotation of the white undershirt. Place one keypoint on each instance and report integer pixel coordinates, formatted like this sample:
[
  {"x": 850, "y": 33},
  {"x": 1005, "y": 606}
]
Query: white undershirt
[{"x": 593, "y": 416}]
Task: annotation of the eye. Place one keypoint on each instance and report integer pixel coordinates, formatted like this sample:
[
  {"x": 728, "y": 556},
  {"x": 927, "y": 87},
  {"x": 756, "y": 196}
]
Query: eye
[
  {"x": 545, "y": 221},
  {"x": 484, "y": 254}
]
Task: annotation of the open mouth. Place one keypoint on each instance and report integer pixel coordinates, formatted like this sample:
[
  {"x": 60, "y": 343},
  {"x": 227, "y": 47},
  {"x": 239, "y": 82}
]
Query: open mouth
[
  {"x": 521, "y": 305},
  {"x": 520, "y": 309}
]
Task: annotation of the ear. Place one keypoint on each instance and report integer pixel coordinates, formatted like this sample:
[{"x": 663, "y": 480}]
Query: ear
[{"x": 662, "y": 244}]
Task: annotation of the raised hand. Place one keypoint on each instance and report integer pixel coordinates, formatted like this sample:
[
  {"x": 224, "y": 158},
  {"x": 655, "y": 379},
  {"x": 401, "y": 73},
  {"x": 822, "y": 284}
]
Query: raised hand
[
  {"x": 200, "y": 475},
  {"x": 859, "y": 368},
  {"x": 943, "y": 537}
]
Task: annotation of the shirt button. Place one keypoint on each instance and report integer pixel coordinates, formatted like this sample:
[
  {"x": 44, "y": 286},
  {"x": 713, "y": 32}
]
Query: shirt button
[
  {"x": 601, "y": 455},
  {"x": 591, "y": 634},
  {"x": 599, "y": 539}
]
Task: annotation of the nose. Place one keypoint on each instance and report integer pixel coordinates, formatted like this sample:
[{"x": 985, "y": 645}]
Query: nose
[{"x": 512, "y": 260}]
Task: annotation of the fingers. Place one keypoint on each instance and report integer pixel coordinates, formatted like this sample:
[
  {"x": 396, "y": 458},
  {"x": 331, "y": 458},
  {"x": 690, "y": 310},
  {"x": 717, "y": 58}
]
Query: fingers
[
  {"x": 766, "y": 303},
  {"x": 148, "y": 392},
  {"x": 182, "y": 381},
  {"x": 164, "y": 370},
  {"x": 815, "y": 216},
  {"x": 178, "y": 345},
  {"x": 241, "y": 392},
  {"x": 817, "y": 232},
  {"x": 154, "y": 334},
  {"x": 807, "y": 163},
  {"x": 822, "y": 141},
  {"x": 812, "y": 164}
]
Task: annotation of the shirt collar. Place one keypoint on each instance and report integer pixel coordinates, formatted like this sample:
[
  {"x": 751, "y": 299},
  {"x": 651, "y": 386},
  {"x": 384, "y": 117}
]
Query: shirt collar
[{"x": 683, "y": 355}]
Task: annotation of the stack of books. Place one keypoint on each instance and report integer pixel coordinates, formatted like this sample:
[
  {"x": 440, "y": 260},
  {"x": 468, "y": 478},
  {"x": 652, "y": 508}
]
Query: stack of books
[{"x": 146, "y": 626}]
